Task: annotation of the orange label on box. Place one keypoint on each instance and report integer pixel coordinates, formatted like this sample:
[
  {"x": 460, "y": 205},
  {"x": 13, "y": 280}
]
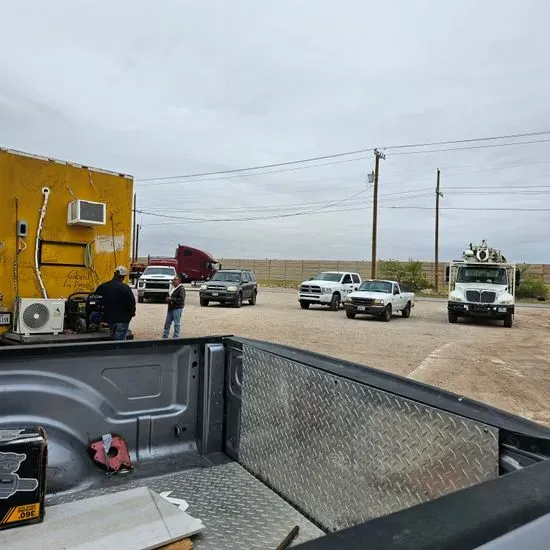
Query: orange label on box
[{"x": 21, "y": 513}]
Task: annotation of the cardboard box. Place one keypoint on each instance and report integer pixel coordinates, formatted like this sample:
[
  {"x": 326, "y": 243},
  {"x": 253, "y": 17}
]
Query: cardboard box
[{"x": 23, "y": 461}]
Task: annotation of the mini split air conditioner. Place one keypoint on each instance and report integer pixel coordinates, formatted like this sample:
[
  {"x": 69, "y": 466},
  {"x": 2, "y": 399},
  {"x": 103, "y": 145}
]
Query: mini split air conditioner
[
  {"x": 87, "y": 213},
  {"x": 39, "y": 316}
]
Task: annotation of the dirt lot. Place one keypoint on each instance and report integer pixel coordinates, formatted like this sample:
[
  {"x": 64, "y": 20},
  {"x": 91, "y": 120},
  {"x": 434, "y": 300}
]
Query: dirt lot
[{"x": 506, "y": 368}]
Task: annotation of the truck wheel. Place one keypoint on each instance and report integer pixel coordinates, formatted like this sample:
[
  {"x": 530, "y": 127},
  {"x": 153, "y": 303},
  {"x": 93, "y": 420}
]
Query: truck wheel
[
  {"x": 304, "y": 305},
  {"x": 350, "y": 314},
  {"x": 453, "y": 317},
  {"x": 407, "y": 311},
  {"x": 509, "y": 320},
  {"x": 238, "y": 300},
  {"x": 204, "y": 302},
  {"x": 252, "y": 300},
  {"x": 140, "y": 299},
  {"x": 387, "y": 315},
  {"x": 335, "y": 302}
]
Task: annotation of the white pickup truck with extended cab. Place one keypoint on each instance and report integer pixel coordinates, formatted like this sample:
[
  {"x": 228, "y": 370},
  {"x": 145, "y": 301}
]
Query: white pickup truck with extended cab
[
  {"x": 155, "y": 282},
  {"x": 379, "y": 298},
  {"x": 328, "y": 288},
  {"x": 482, "y": 284}
]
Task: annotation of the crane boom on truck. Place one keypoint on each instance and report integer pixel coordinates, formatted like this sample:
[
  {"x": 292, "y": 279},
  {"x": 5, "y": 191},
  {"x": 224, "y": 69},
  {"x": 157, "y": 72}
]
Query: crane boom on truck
[{"x": 482, "y": 284}]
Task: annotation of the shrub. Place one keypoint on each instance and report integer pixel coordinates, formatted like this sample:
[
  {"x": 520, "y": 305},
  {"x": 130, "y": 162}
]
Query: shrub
[
  {"x": 532, "y": 288},
  {"x": 409, "y": 274}
]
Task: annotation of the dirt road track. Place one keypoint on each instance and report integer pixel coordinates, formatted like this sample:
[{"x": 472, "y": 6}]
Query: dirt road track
[{"x": 506, "y": 368}]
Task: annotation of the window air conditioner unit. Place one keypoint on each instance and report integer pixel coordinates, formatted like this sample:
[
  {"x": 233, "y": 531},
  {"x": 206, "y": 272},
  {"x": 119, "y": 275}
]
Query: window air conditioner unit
[
  {"x": 39, "y": 316},
  {"x": 87, "y": 213}
]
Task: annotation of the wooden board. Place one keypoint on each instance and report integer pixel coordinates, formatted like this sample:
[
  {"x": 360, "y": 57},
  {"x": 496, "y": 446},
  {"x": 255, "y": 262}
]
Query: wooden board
[{"x": 184, "y": 544}]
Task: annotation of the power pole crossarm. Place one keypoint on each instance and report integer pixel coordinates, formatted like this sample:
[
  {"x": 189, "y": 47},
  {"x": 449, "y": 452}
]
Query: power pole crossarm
[{"x": 377, "y": 156}]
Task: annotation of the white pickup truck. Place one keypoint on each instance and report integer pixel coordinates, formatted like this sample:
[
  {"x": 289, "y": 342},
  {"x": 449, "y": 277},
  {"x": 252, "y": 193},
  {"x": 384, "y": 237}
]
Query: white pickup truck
[
  {"x": 328, "y": 288},
  {"x": 155, "y": 282},
  {"x": 379, "y": 298}
]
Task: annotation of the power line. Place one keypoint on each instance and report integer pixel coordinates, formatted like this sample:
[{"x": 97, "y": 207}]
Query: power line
[
  {"x": 263, "y": 217},
  {"x": 256, "y": 174},
  {"x": 148, "y": 210},
  {"x": 222, "y": 177},
  {"x": 349, "y": 209},
  {"x": 469, "y": 148},
  {"x": 352, "y": 210},
  {"x": 343, "y": 154},
  {"x": 451, "y": 190}
]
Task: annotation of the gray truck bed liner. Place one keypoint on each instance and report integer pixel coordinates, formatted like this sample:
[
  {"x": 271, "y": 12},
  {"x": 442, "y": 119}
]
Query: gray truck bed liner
[{"x": 237, "y": 510}]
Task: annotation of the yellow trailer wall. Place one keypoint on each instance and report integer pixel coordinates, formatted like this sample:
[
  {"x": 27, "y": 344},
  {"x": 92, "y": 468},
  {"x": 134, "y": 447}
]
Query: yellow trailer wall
[{"x": 22, "y": 177}]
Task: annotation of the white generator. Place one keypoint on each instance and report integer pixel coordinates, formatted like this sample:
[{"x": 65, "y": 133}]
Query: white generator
[{"x": 39, "y": 316}]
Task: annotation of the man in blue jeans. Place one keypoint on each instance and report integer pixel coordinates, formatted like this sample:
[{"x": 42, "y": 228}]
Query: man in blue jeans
[
  {"x": 176, "y": 303},
  {"x": 119, "y": 304}
]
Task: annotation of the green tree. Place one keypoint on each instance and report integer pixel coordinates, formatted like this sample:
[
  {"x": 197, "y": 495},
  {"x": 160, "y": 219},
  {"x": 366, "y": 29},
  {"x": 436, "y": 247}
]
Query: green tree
[
  {"x": 408, "y": 274},
  {"x": 532, "y": 288}
]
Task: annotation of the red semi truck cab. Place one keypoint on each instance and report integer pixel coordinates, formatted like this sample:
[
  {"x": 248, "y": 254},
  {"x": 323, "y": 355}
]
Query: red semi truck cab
[
  {"x": 197, "y": 265},
  {"x": 194, "y": 264}
]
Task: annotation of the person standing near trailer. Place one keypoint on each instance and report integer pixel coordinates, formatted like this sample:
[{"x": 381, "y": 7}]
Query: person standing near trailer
[
  {"x": 119, "y": 304},
  {"x": 176, "y": 303}
]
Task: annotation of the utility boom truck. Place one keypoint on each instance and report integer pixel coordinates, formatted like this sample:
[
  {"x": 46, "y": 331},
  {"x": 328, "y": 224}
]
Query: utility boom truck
[{"x": 482, "y": 284}]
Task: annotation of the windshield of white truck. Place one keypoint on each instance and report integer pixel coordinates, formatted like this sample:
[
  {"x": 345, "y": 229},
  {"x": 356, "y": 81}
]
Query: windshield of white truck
[
  {"x": 227, "y": 276},
  {"x": 376, "y": 286},
  {"x": 333, "y": 277},
  {"x": 488, "y": 275},
  {"x": 169, "y": 271}
]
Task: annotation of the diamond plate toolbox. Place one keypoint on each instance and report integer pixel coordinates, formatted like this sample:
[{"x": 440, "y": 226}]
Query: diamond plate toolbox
[{"x": 343, "y": 452}]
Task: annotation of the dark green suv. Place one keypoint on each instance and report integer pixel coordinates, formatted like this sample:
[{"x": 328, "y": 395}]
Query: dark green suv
[{"x": 230, "y": 286}]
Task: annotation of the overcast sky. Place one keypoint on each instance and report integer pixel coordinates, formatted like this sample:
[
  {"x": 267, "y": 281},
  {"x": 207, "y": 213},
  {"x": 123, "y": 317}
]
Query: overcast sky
[{"x": 170, "y": 88}]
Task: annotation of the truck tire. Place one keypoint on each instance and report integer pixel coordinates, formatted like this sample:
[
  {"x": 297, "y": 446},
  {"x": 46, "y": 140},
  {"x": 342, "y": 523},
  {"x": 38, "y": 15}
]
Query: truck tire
[
  {"x": 304, "y": 305},
  {"x": 238, "y": 300},
  {"x": 252, "y": 300},
  {"x": 387, "y": 315},
  {"x": 204, "y": 302},
  {"x": 453, "y": 317},
  {"x": 335, "y": 302},
  {"x": 407, "y": 311},
  {"x": 350, "y": 314},
  {"x": 140, "y": 299},
  {"x": 508, "y": 320}
]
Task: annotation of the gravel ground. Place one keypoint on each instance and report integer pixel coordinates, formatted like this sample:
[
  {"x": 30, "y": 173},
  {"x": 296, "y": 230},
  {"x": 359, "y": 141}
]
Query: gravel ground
[{"x": 506, "y": 368}]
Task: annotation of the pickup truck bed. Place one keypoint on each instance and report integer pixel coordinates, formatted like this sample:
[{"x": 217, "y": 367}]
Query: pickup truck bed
[
  {"x": 238, "y": 509},
  {"x": 259, "y": 438}
]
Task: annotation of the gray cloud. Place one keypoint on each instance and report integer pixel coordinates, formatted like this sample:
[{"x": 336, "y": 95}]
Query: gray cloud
[{"x": 194, "y": 87}]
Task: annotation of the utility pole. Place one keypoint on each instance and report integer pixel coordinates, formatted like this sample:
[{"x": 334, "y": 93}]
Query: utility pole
[
  {"x": 138, "y": 227},
  {"x": 134, "y": 252},
  {"x": 377, "y": 155},
  {"x": 438, "y": 195}
]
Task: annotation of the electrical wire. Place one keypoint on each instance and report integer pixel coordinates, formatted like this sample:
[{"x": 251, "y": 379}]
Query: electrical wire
[
  {"x": 406, "y": 194},
  {"x": 449, "y": 190},
  {"x": 469, "y": 148},
  {"x": 222, "y": 177},
  {"x": 183, "y": 221},
  {"x": 46, "y": 193},
  {"x": 347, "y": 153},
  {"x": 89, "y": 261},
  {"x": 261, "y": 217},
  {"x": 113, "y": 237}
]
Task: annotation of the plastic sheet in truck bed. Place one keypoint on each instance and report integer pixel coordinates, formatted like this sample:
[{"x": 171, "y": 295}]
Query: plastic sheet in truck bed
[{"x": 237, "y": 509}]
